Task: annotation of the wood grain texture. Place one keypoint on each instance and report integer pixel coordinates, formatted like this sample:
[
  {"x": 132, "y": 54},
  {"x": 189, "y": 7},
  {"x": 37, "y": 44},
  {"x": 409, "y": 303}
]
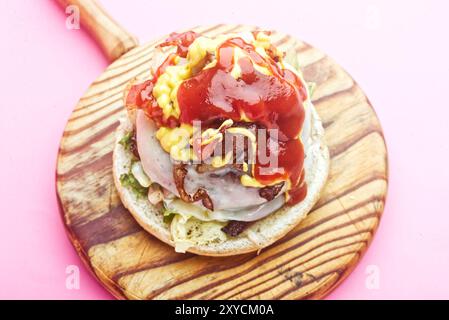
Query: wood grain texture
[
  {"x": 112, "y": 38},
  {"x": 307, "y": 263}
]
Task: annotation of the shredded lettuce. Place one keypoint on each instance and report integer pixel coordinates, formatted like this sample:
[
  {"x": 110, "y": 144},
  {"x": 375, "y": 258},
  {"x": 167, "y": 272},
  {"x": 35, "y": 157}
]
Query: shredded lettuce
[
  {"x": 127, "y": 140},
  {"x": 191, "y": 231},
  {"x": 187, "y": 230},
  {"x": 187, "y": 210},
  {"x": 129, "y": 181},
  {"x": 168, "y": 215}
]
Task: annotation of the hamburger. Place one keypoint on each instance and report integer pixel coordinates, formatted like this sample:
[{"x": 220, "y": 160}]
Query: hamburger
[{"x": 221, "y": 151}]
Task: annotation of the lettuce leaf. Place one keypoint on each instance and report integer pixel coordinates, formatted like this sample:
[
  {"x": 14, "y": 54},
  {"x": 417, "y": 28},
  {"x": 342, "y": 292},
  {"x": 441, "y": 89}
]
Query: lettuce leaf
[
  {"x": 129, "y": 181},
  {"x": 127, "y": 140},
  {"x": 168, "y": 215}
]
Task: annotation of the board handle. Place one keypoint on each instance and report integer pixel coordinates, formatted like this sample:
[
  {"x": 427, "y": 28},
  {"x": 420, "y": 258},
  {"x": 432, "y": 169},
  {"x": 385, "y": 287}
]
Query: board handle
[{"x": 112, "y": 38}]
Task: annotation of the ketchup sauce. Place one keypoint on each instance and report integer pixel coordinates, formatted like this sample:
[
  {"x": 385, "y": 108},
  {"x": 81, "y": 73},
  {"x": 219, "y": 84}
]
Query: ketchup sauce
[{"x": 140, "y": 95}]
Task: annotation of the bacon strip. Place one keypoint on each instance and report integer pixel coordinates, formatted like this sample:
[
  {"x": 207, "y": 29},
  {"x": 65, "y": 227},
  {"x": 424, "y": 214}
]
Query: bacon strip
[
  {"x": 179, "y": 174},
  {"x": 234, "y": 228},
  {"x": 271, "y": 192}
]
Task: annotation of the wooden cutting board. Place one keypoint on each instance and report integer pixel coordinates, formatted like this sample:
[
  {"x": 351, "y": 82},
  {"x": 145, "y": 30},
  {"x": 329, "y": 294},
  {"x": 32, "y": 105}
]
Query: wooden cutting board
[{"x": 307, "y": 263}]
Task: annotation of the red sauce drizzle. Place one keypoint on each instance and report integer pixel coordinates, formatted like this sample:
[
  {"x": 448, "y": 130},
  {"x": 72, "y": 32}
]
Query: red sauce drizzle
[
  {"x": 140, "y": 95},
  {"x": 181, "y": 40},
  {"x": 272, "y": 101}
]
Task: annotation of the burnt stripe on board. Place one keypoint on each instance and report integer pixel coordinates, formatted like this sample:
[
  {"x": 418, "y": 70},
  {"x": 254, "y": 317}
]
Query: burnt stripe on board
[
  {"x": 333, "y": 95},
  {"x": 307, "y": 270},
  {"x": 345, "y": 145},
  {"x": 88, "y": 166},
  {"x": 174, "y": 258},
  {"x": 95, "y": 121},
  {"x": 352, "y": 252},
  {"x": 124, "y": 72},
  {"x": 80, "y": 107},
  {"x": 129, "y": 58},
  {"x": 94, "y": 138},
  {"x": 272, "y": 257},
  {"x": 93, "y": 112},
  {"x": 76, "y": 117},
  {"x": 350, "y": 235},
  {"x": 303, "y": 230},
  {"x": 353, "y": 188},
  {"x": 115, "y": 224},
  {"x": 213, "y": 269}
]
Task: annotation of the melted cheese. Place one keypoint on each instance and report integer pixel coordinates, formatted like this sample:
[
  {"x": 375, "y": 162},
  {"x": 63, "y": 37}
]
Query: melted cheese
[
  {"x": 176, "y": 141},
  {"x": 212, "y": 134},
  {"x": 166, "y": 87},
  {"x": 249, "y": 181},
  {"x": 187, "y": 232},
  {"x": 218, "y": 162}
]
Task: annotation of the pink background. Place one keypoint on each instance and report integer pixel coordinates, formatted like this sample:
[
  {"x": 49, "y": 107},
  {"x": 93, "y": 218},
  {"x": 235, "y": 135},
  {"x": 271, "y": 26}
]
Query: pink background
[{"x": 397, "y": 51}]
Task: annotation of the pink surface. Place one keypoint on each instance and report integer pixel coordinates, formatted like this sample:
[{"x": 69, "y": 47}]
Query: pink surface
[{"x": 397, "y": 51}]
